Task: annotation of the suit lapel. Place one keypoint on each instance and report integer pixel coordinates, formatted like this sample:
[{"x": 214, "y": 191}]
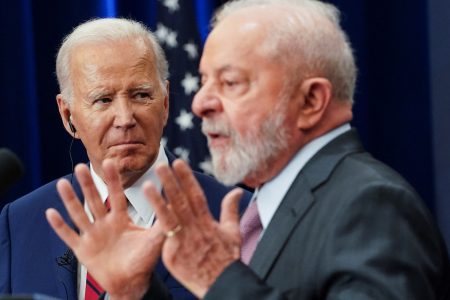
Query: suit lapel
[
  {"x": 65, "y": 267},
  {"x": 283, "y": 222},
  {"x": 66, "y": 264},
  {"x": 300, "y": 199}
]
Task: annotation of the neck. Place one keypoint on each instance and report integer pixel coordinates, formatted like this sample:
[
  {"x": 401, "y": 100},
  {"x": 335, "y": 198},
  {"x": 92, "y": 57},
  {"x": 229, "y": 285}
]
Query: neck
[
  {"x": 129, "y": 178},
  {"x": 270, "y": 168}
]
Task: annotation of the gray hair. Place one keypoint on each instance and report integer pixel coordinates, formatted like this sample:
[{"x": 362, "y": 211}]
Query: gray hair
[
  {"x": 308, "y": 41},
  {"x": 100, "y": 31}
]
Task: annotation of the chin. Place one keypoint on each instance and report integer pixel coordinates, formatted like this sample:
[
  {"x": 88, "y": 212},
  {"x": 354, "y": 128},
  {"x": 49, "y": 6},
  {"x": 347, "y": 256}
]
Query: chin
[{"x": 131, "y": 164}]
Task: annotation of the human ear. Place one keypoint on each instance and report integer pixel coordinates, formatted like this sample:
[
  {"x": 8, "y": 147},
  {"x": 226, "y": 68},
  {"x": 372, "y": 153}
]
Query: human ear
[
  {"x": 65, "y": 114},
  {"x": 166, "y": 103},
  {"x": 314, "y": 98}
]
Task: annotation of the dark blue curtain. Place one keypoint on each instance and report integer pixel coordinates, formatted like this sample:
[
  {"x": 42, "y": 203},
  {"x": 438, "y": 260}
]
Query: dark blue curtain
[{"x": 401, "y": 110}]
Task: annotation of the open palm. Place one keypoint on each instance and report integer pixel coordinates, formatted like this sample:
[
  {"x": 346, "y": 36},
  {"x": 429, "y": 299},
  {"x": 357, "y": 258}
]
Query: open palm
[{"x": 116, "y": 252}]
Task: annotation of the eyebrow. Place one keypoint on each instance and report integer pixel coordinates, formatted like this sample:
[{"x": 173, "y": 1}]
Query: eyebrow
[
  {"x": 143, "y": 86},
  {"x": 97, "y": 93}
]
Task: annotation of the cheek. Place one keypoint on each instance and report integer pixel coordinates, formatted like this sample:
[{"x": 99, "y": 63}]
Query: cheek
[
  {"x": 153, "y": 121},
  {"x": 244, "y": 122},
  {"x": 94, "y": 128}
]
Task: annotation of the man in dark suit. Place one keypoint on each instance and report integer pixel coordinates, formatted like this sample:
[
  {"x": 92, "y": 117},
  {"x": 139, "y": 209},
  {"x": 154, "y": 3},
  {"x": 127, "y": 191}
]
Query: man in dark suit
[
  {"x": 328, "y": 221},
  {"x": 114, "y": 97}
]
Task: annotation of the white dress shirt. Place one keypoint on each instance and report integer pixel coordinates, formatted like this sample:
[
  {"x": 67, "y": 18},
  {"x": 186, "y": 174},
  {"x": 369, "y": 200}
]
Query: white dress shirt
[
  {"x": 139, "y": 209},
  {"x": 272, "y": 192}
]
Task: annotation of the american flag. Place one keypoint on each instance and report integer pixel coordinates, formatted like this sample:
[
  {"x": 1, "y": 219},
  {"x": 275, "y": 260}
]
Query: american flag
[{"x": 178, "y": 33}]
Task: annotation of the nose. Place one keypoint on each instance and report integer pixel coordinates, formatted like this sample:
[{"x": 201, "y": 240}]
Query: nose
[
  {"x": 124, "y": 114},
  {"x": 206, "y": 102}
]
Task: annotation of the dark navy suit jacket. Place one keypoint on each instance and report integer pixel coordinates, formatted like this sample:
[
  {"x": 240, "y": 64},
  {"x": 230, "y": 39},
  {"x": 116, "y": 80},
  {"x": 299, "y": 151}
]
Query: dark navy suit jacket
[{"x": 34, "y": 260}]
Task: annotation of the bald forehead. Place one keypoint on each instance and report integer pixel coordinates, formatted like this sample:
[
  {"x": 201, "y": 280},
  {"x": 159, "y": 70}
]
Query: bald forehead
[
  {"x": 250, "y": 17},
  {"x": 241, "y": 29},
  {"x": 262, "y": 10},
  {"x": 270, "y": 15}
]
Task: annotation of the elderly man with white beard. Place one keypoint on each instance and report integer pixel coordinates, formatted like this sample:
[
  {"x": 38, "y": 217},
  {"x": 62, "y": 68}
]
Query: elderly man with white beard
[{"x": 328, "y": 221}]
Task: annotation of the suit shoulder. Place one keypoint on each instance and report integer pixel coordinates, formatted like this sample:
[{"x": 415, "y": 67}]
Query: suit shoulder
[
  {"x": 364, "y": 182},
  {"x": 43, "y": 197},
  {"x": 368, "y": 186},
  {"x": 366, "y": 170}
]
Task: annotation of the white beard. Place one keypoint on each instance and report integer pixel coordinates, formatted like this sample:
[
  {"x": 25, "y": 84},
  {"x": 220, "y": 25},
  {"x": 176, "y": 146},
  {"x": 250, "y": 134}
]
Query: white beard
[{"x": 250, "y": 154}]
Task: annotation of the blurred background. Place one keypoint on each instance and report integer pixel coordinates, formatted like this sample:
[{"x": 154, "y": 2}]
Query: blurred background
[{"x": 402, "y": 105}]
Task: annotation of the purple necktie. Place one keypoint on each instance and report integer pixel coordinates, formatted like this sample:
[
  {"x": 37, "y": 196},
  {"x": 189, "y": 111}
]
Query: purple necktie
[{"x": 251, "y": 228}]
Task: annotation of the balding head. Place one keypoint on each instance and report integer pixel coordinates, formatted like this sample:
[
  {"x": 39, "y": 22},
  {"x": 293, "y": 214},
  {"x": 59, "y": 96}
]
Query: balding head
[
  {"x": 305, "y": 37},
  {"x": 104, "y": 31}
]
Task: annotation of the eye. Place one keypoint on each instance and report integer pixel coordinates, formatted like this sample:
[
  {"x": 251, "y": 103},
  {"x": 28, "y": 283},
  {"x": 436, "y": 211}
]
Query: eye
[
  {"x": 234, "y": 85},
  {"x": 103, "y": 100},
  {"x": 142, "y": 97},
  {"x": 231, "y": 83}
]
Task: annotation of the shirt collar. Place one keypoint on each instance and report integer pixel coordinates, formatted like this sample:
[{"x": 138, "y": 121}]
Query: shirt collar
[
  {"x": 134, "y": 193},
  {"x": 272, "y": 192}
]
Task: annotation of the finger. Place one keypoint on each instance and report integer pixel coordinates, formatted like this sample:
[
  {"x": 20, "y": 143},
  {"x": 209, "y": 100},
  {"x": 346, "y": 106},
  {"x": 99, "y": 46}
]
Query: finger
[
  {"x": 156, "y": 234},
  {"x": 166, "y": 218},
  {"x": 229, "y": 218},
  {"x": 73, "y": 205},
  {"x": 67, "y": 234},
  {"x": 196, "y": 197},
  {"x": 152, "y": 246},
  {"x": 90, "y": 192},
  {"x": 175, "y": 195},
  {"x": 117, "y": 198},
  {"x": 230, "y": 207},
  {"x": 157, "y": 228}
]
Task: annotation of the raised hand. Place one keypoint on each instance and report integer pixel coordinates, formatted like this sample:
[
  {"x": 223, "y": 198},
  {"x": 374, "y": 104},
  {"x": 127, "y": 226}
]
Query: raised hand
[
  {"x": 118, "y": 254},
  {"x": 197, "y": 248}
]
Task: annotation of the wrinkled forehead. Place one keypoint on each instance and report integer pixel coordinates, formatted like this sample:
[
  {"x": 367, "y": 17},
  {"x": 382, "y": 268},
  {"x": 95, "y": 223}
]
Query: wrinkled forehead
[
  {"x": 118, "y": 47},
  {"x": 102, "y": 56}
]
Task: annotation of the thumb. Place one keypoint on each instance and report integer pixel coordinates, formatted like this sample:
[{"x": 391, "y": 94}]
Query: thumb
[
  {"x": 229, "y": 215},
  {"x": 155, "y": 233}
]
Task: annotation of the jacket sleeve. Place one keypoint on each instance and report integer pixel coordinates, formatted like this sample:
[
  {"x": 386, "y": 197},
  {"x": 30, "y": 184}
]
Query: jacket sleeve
[
  {"x": 157, "y": 290},
  {"x": 5, "y": 252}
]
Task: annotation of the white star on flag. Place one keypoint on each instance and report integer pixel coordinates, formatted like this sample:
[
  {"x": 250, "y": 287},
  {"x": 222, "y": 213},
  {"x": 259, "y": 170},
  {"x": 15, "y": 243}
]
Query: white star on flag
[
  {"x": 177, "y": 28},
  {"x": 165, "y": 35},
  {"x": 191, "y": 50},
  {"x": 184, "y": 120},
  {"x": 161, "y": 32},
  {"x": 172, "y": 5},
  {"x": 190, "y": 83},
  {"x": 171, "y": 39},
  {"x": 182, "y": 153},
  {"x": 206, "y": 166}
]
